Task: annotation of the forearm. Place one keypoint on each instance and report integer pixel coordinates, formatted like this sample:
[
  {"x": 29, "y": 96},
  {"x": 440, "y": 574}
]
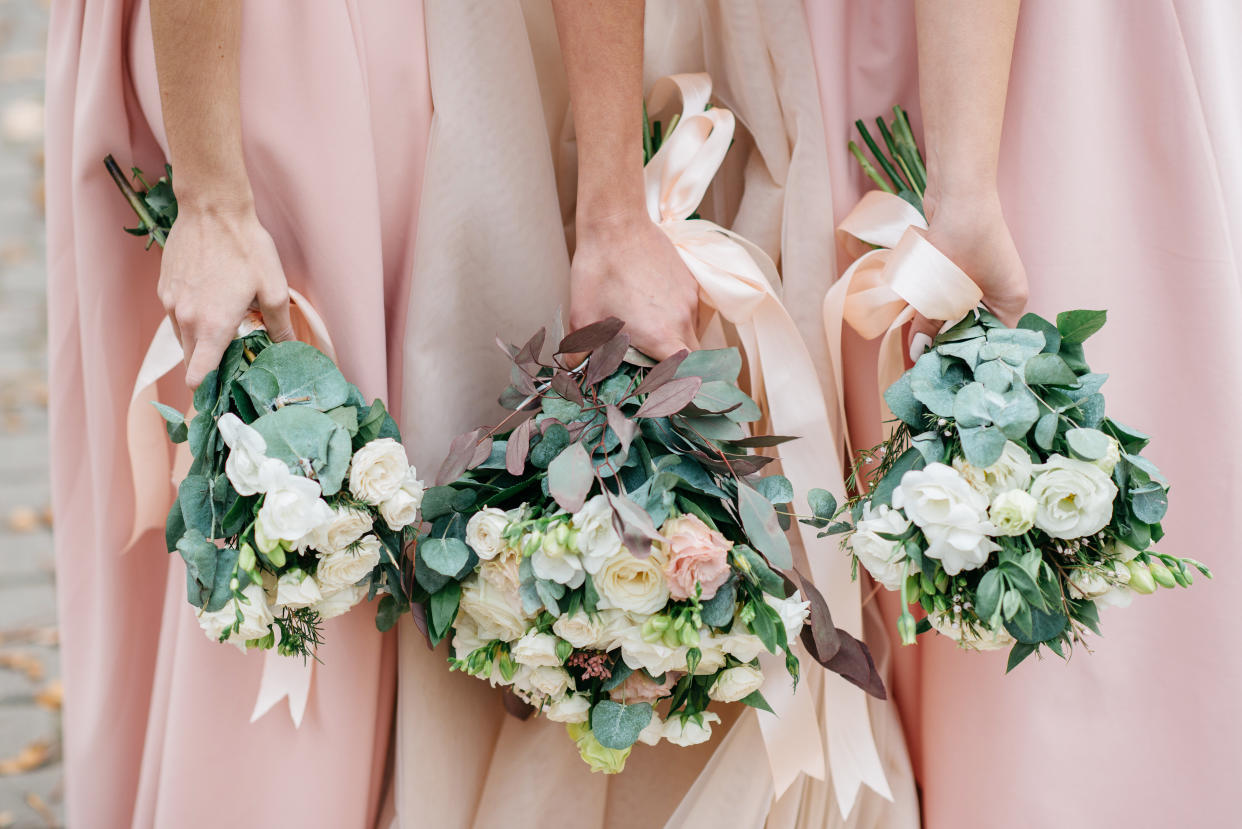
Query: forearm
[
  {"x": 964, "y": 52},
  {"x": 602, "y": 48},
  {"x": 197, "y": 59}
]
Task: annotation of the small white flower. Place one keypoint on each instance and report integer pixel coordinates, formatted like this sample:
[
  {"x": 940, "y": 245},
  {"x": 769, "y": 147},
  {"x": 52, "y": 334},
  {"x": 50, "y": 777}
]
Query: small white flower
[
  {"x": 555, "y": 561},
  {"x": 1011, "y": 471},
  {"x": 569, "y": 709},
  {"x": 739, "y": 644},
  {"x": 350, "y": 566},
  {"x": 485, "y": 532},
  {"x": 653, "y": 731},
  {"x": 256, "y": 618},
  {"x": 1088, "y": 583},
  {"x": 1111, "y": 457},
  {"x": 290, "y": 513},
  {"x": 597, "y": 538},
  {"x": 535, "y": 649},
  {"x": 346, "y": 526},
  {"x": 793, "y": 612},
  {"x": 736, "y": 684},
  {"x": 884, "y": 558},
  {"x": 400, "y": 511},
  {"x": 980, "y": 639},
  {"x": 952, "y": 515},
  {"x": 1075, "y": 498},
  {"x": 551, "y": 683},
  {"x": 1013, "y": 512},
  {"x": 685, "y": 731},
  {"x": 656, "y": 657},
  {"x": 247, "y": 467},
  {"x": 340, "y": 601},
  {"x": 296, "y": 589},
  {"x": 579, "y": 630},
  {"x": 378, "y": 470}
]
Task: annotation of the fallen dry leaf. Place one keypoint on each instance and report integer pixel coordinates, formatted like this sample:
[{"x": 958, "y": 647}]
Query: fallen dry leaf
[
  {"x": 36, "y": 803},
  {"x": 48, "y": 637},
  {"x": 47, "y": 515},
  {"x": 23, "y": 519},
  {"x": 29, "y": 758},
  {"x": 26, "y": 663},
  {"x": 51, "y": 696}
]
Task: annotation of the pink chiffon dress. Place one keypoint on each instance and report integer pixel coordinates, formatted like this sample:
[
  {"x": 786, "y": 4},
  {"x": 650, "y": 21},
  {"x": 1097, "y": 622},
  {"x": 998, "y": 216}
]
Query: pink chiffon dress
[{"x": 1121, "y": 179}]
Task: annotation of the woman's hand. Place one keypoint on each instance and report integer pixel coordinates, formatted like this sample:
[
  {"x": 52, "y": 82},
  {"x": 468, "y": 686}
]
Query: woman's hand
[
  {"x": 218, "y": 264},
  {"x": 628, "y": 268}
]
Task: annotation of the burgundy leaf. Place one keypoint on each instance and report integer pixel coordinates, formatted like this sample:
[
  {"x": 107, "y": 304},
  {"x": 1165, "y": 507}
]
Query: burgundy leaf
[
  {"x": 819, "y": 634},
  {"x": 590, "y": 337},
  {"x": 547, "y": 423},
  {"x": 420, "y": 621},
  {"x": 565, "y": 385},
  {"x": 636, "y": 528},
  {"x": 607, "y": 358},
  {"x": 738, "y": 467},
  {"x": 518, "y": 447},
  {"x": 855, "y": 665},
  {"x": 570, "y": 476},
  {"x": 514, "y": 399},
  {"x": 760, "y": 441},
  {"x": 662, "y": 373},
  {"x": 671, "y": 397},
  {"x": 461, "y": 452},
  {"x": 510, "y": 351},
  {"x": 515, "y": 707},
  {"x": 622, "y": 426},
  {"x": 528, "y": 356},
  {"x": 482, "y": 452}
]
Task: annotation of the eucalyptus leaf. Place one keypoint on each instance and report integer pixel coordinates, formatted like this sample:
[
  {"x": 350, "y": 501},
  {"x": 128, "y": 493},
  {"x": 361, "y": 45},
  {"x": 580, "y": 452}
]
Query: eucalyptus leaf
[
  {"x": 199, "y": 555},
  {"x": 1016, "y": 414},
  {"x": 996, "y": 375},
  {"x": 446, "y": 556},
  {"x": 1046, "y": 430},
  {"x": 1044, "y": 625},
  {"x": 570, "y": 476},
  {"x": 308, "y": 441},
  {"x": 902, "y": 402},
  {"x": 1088, "y": 444},
  {"x": 1149, "y": 503},
  {"x": 776, "y": 488},
  {"x": 965, "y": 350},
  {"x": 723, "y": 364},
  {"x": 221, "y": 588},
  {"x": 617, "y": 726},
  {"x": 930, "y": 445},
  {"x": 555, "y": 439},
  {"x": 722, "y": 396},
  {"x": 982, "y": 445},
  {"x": 1077, "y": 326},
  {"x": 174, "y": 423},
  {"x": 717, "y": 611},
  {"x": 1052, "y": 337},
  {"x": 882, "y": 492},
  {"x": 1049, "y": 370},
  {"x": 443, "y": 606},
  {"x": 299, "y": 374},
  {"x": 762, "y": 527},
  {"x": 973, "y": 404}
]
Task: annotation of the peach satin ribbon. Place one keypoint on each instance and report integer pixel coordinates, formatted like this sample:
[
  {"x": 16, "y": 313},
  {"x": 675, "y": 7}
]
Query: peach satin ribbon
[
  {"x": 884, "y": 288},
  {"x": 736, "y": 280},
  {"x": 153, "y": 469}
]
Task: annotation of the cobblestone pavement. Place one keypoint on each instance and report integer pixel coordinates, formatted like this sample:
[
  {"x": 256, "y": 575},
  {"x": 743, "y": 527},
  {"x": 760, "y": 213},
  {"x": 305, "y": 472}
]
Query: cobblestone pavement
[{"x": 30, "y": 773}]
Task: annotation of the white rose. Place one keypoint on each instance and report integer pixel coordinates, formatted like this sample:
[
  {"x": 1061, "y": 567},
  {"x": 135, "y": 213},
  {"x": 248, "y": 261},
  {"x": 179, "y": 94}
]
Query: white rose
[
  {"x": 256, "y": 618},
  {"x": 346, "y": 526},
  {"x": 793, "y": 612},
  {"x": 741, "y": 645},
  {"x": 1013, "y": 512},
  {"x": 736, "y": 684},
  {"x": 538, "y": 650},
  {"x": 346, "y": 567},
  {"x": 883, "y": 558},
  {"x": 297, "y": 589},
  {"x": 555, "y": 561},
  {"x": 597, "y": 537},
  {"x": 656, "y": 657},
  {"x": 466, "y": 639},
  {"x": 378, "y": 470},
  {"x": 550, "y": 682},
  {"x": 711, "y": 654},
  {"x": 579, "y": 630},
  {"x": 1011, "y": 471},
  {"x": 401, "y": 510},
  {"x": 1111, "y": 457},
  {"x": 340, "y": 601},
  {"x": 653, "y": 731},
  {"x": 685, "y": 731},
  {"x": 629, "y": 583},
  {"x": 485, "y": 532},
  {"x": 291, "y": 512},
  {"x": 1087, "y": 583},
  {"x": 613, "y": 623},
  {"x": 952, "y": 516},
  {"x": 497, "y": 613},
  {"x": 980, "y": 639},
  {"x": 572, "y": 708},
  {"x": 1075, "y": 498},
  {"x": 247, "y": 467}
]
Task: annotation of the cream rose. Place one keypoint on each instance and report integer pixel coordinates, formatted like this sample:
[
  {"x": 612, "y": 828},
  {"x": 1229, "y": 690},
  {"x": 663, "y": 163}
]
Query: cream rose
[
  {"x": 695, "y": 554},
  {"x": 653, "y": 731},
  {"x": 572, "y": 708},
  {"x": 711, "y": 654},
  {"x": 378, "y": 470},
  {"x": 346, "y": 526},
  {"x": 552, "y": 683},
  {"x": 690, "y": 731},
  {"x": 597, "y": 539},
  {"x": 339, "y": 602},
  {"x": 498, "y": 614},
  {"x": 1011, "y": 471},
  {"x": 401, "y": 510},
  {"x": 981, "y": 639},
  {"x": 485, "y": 532},
  {"x": 256, "y": 618},
  {"x": 296, "y": 589},
  {"x": 1013, "y": 512},
  {"x": 538, "y": 650},
  {"x": 346, "y": 567},
  {"x": 503, "y": 571},
  {"x": 628, "y": 583},
  {"x": 1075, "y": 498},
  {"x": 654, "y": 657},
  {"x": 247, "y": 467},
  {"x": 291, "y": 513},
  {"x": 579, "y": 630},
  {"x": 884, "y": 558},
  {"x": 736, "y": 684},
  {"x": 739, "y": 644},
  {"x": 952, "y": 516}
]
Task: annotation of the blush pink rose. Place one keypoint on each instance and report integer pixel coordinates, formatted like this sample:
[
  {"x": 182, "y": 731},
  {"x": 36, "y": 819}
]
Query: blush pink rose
[
  {"x": 696, "y": 554},
  {"x": 638, "y": 687}
]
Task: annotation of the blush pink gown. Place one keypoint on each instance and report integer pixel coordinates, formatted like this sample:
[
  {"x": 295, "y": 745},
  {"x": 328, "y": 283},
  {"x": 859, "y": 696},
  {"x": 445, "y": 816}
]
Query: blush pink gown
[
  {"x": 1121, "y": 178},
  {"x": 336, "y": 110}
]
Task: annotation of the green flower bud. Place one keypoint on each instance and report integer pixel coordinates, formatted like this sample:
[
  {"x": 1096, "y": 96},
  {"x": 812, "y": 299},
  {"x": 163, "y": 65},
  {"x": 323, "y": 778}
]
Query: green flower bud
[
  {"x": 942, "y": 581},
  {"x": 913, "y": 588},
  {"x": 246, "y": 557},
  {"x": 599, "y": 758},
  {"x": 689, "y": 635},
  {"x": 1160, "y": 572},
  {"x": 672, "y": 638},
  {"x": 907, "y": 628},
  {"x": 563, "y": 650},
  {"x": 234, "y": 584},
  {"x": 747, "y": 614},
  {"x": 1141, "y": 579},
  {"x": 277, "y": 556}
]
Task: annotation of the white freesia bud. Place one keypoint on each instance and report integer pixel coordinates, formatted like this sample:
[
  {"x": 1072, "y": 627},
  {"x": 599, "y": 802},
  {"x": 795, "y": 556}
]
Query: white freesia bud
[
  {"x": 1013, "y": 512},
  {"x": 537, "y": 650},
  {"x": 1075, "y": 498},
  {"x": 685, "y": 731},
  {"x": 256, "y": 618},
  {"x": 952, "y": 515},
  {"x": 883, "y": 557},
  {"x": 655, "y": 657},
  {"x": 597, "y": 538},
  {"x": 572, "y": 708},
  {"x": 1087, "y": 583},
  {"x": 295, "y": 589},
  {"x": 736, "y": 684},
  {"x": 349, "y": 566},
  {"x": 1123, "y": 551},
  {"x": 340, "y": 601},
  {"x": 485, "y": 532},
  {"x": 247, "y": 467},
  {"x": 378, "y": 470}
]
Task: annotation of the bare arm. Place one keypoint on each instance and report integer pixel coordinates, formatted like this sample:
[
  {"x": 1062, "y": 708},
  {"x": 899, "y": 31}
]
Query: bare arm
[
  {"x": 623, "y": 265},
  {"x": 219, "y": 260},
  {"x": 965, "y": 49}
]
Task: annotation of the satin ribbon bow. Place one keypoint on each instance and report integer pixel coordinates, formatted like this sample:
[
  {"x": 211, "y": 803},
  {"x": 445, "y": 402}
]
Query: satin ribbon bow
[
  {"x": 736, "y": 280},
  {"x": 153, "y": 470},
  {"x": 883, "y": 289}
]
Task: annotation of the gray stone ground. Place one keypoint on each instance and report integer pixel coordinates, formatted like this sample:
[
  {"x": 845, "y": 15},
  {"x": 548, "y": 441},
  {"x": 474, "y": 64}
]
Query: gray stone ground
[{"x": 30, "y": 773}]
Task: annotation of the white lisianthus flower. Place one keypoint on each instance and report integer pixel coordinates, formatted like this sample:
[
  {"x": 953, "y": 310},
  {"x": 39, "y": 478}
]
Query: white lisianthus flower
[
  {"x": 613, "y": 623},
  {"x": 739, "y": 644},
  {"x": 981, "y": 639},
  {"x": 884, "y": 558},
  {"x": 339, "y": 602},
  {"x": 1111, "y": 458},
  {"x": 295, "y": 589},
  {"x": 466, "y": 639},
  {"x": 378, "y": 470},
  {"x": 290, "y": 512},
  {"x": 1075, "y": 498},
  {"x": 256, "y": 618},
  {"x": 497, "y": 613},
  {"x": 247, "y": 467},
  {"x": 538, "y": 650},
  {"x": 579, "y": 630},
  {"x": 1013, "y": 512},
  {"x": 636, "y": 585},
  {"x": 401, "y": 510},
  {"x": 793, "y": 612},
  {"x": 1011, "y": 471},
  {"x": 346, "y": 526},
  {"x": 597, "y": 537},
  {"x": 685, "y": 731},
  {"x": 952, "y": 515},
  {"x": 350, "y": 566},
  {"x": 571, "y": 708},
  {"x": 653, "y": 731},
  {"x": 485, "y": 532},
  {"x": 736, "y": 684},
  {"x": 655, "y": 657},
  {"x": 552, "y": 683},
  {"x": 555, "y": 561}
]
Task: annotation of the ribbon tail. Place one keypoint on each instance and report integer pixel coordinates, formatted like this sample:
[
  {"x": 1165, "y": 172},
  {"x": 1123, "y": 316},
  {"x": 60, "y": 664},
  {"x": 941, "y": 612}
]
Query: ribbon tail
[
  {"x": 792, "y": 738},
  {"x": 150, "y": 461},
  {"x": 284, "y": 676}
]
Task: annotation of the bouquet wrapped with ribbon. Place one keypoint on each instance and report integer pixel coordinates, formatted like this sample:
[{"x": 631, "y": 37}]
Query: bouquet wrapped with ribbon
[
  {"x": 612, "y": 557},
  {"x": 1005, "y": 503},
  {"x": 299, "y": 499}
]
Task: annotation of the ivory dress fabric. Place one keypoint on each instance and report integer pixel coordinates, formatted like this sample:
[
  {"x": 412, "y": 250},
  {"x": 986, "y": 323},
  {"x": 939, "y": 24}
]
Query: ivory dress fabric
[
  {"x": 1120, "y": 178},
  {"x": 336, "y": 110}
]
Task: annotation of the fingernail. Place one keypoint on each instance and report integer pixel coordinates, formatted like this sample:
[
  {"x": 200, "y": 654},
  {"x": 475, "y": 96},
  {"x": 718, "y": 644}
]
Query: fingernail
[{"x": 919, "y": 343}]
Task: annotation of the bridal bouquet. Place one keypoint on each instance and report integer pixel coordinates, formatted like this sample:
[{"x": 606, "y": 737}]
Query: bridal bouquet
[
  {"x": 613, "y": 559},
  {"x": 1005, "y": 502},
  {"x": 299, "y": 501}
]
